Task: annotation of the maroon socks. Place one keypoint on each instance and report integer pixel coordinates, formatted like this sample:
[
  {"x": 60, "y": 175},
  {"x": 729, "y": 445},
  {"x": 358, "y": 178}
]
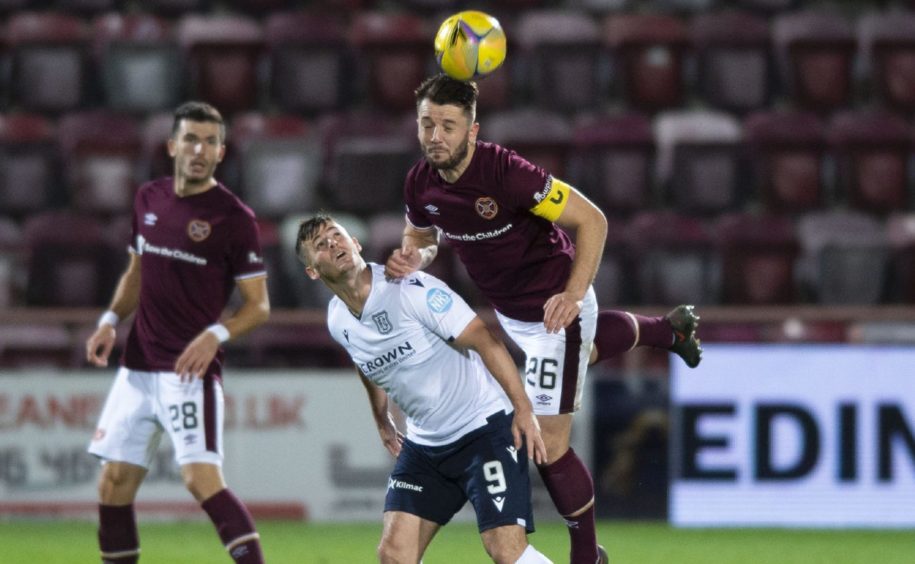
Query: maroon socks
[
  {"x": 620, "y": 331},
  {"x": 235, "y": 527},
  {"x": 571, "y": 488},
  {"x": 117, "y": 534}
]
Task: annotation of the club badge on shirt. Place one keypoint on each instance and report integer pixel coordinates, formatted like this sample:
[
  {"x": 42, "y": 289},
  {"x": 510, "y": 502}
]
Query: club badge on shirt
[
  {"x": 487, "y": 207},
  {"x": 382, "y": 323},
  {"x": 198, "y": 230}
]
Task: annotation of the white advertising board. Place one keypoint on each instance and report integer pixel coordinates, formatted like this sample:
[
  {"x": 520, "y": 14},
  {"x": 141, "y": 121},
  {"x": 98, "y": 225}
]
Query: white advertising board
[{"x": 794, "y": 435}]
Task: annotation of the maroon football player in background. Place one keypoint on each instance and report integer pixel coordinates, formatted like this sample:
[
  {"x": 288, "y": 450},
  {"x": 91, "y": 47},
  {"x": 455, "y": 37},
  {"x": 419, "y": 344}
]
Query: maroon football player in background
[{"x": 193, "y": 243}]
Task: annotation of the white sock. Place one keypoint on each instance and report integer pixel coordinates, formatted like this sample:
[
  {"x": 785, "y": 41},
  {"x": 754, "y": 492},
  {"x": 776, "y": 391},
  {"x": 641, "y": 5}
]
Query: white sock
[{"x": 531, "y": 556}]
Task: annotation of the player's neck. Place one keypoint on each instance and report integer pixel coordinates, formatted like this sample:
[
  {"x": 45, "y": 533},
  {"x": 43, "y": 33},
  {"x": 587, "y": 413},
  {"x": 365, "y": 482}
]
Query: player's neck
[
  {"x": 451, "y": 175},
  {"x": 183, "y": 188},
  {"x": 354, "y": 290}
]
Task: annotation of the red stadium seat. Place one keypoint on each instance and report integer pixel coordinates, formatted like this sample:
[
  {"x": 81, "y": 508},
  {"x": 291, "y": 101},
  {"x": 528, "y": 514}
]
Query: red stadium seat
[
  {"x": 281, "y": 163},
  {"x": 140, "y": 63},
  {"x": 815, "y": 50},
  {"x": 732, "y": 51},
  {"x": 312, "y": 63},
  {"x": 68, "y": 261},
  {"x": 612, "y": 160},
  {"x": 613, "y": 285},
  {"x": 100, "y": 151},
  {"x": 787, "y": 150},
  {"x": 674, "y": 259},
  {"x": 368, "y": 159},
  {"x": 845, "y": 257},
  {"x": 50, "y": 61},
  {"x": 175, "y": 8},
  {"x": 561, "y": 50},
  {"x": 540, "y": 136},
  {"x": 758, "y": 254},
  {"x": 222, "y": 55},
  {"x": 154, "y": 159},
  {"x": 12, "y": 261},
  {"x": 872, "y": 152},
  {"x": 887, "y": 47},
  {"x": 87, "y": 7},
  {"x": 30, "y": 177},
  {"x": 394, "y": 50},
  {"x": 34, "y": 345},
  {"x": 648, "y": 56},
  {"x": 699, "y": 164}
]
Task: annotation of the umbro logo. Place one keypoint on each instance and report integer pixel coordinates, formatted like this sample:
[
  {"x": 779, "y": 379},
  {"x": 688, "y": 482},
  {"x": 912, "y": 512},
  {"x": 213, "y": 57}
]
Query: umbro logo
[
  {"x": 190, "y": 439},
  {"x": 150, "y": 219},
  {"x": 433, "y": 210},
  {"x": 543, "y": 398}
]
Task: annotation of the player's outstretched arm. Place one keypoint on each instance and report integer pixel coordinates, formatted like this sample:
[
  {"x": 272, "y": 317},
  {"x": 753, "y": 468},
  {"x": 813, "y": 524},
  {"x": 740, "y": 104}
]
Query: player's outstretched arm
[
  {"x": 500, "y": 364},
  {"x": 125, "y": 300},
  {"x": 254, "y": 311},
  {"x": 417, "y": 251},
  {"x": 391, "y": 438},
  {"x": 589, "y": 225}
]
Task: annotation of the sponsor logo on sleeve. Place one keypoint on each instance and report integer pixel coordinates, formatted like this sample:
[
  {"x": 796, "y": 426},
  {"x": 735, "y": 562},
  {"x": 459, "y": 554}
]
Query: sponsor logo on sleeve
[{"x": 438, "y": 300}]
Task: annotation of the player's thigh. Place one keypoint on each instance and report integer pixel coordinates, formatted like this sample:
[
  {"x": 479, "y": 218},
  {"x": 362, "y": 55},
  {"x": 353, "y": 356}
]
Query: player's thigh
[
  {"x": 193, "y": 415},
  {"x": 505, "y": 543},
  {"x": 405, "y": 537},
  {"x": 418, "y": 486},
  {"x": 555, "y": 364},
  {"x": 495, "y": 478},
  {"x": 128, "y": 430}
]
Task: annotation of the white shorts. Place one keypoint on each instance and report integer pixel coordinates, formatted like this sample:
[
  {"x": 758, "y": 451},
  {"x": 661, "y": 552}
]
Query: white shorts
[
  {"x": 555, "y": 364},
  {"x": 141, "y": 405}
]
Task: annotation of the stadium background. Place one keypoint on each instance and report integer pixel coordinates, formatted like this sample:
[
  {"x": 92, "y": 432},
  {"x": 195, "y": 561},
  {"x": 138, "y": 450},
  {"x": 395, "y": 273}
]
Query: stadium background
[{"x": 753, "y": 157}]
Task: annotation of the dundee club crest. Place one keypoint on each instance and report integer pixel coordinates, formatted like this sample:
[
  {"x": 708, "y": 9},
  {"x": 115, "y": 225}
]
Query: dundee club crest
[
  {"x": 382, "y": 323},
  {"x": 198, "y": 230},
  {"x": 487, "y": 207}
]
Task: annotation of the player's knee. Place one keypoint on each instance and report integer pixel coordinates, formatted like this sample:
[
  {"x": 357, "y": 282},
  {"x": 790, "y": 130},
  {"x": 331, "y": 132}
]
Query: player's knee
[
  {"x": 117, "y": 483},
  {"x": 391, "y": 551}
]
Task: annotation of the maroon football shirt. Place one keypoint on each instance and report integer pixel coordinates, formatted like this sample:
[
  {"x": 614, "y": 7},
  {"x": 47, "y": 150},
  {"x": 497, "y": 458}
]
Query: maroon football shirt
[
  {"x": 517, "y": 259},
  {"x": 192, "y": 250}
]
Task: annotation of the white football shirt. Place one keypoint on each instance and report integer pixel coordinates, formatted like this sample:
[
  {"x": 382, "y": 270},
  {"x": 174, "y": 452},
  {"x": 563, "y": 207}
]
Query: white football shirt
[{"x": 401, "y": 343}]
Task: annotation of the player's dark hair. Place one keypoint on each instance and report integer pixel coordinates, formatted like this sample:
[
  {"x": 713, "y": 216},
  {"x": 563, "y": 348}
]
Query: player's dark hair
[
  {"x": 441, "y": 89},
  {"x": 199, "y": 112},
  {"x": 307, "y": 230}
]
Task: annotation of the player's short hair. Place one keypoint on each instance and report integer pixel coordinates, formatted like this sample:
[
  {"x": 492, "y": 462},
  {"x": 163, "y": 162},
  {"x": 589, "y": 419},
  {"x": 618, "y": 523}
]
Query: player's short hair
[
  {"x": 307, "y": 229},
  {"x": 199, "y": 112},
  {"x": 441, "y": 89}
]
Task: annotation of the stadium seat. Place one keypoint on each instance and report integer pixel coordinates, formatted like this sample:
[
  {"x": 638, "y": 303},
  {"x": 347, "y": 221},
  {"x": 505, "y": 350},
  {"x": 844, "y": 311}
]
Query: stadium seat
[
  {"x": 758, "y": 254},
  {"x": 395, "y": 55},
  {"x": 900, "y": 229},
  {"x": 815, "y": 51},
  {"x": 176, "y": 8},
  {"x": 680, "y": 6},
  {"x": 732, "y": 54},
  {"x": 68, "y": 265},
  {"x": 561, "y": 51},
  {"x": 36, "y": 345},
  {"x": 140, "y": 64},
  {"x": 50, "y": 61},
  {"x": 259, "y": 7},
  {"x": 154, "y": 159},
  {"x": 674, "y": 259},
  {"x": 281, "y": 163},
  {"x": 699, "y": 165},
  {"x": 600, "y": 7},
  {"x": 8, "y": 7},
  {"x": 613, "y": 282},
  {"x": 872, "y": 153},
  {"x": 612, "y": 160},
  {"x": 311, "y": 62},
  {"x": 100, "y": 152},
  {"x": 787, "y": 151},
  {"x": 222, "y": 55},
  {"x": 12, "y": 257},
  {"x": 85, "y": 8},
  {"x": 648, "y": 51},
  {"x": 845, "y": 257},
  {"x": 767, "y": 6},
  {"x": 368, "y": 159},
  {"x": 540, "y": 136},
  {"x": 30, "y": 172},
  {"x": 887, "y": 47}
]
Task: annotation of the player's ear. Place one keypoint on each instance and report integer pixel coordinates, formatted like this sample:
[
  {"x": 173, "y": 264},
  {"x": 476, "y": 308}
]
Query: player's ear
[
  {"x": 474, "y": 130},
  {"x": 172, "y": 147},
  {"x": 312, "y": 273},
  {"x": 356, "y": 244},
  {"x": 222, "y": 153}
]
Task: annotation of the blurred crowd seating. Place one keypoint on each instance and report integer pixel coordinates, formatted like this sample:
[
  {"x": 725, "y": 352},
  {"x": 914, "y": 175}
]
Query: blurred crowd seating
[{"x": 746, "y": 152}]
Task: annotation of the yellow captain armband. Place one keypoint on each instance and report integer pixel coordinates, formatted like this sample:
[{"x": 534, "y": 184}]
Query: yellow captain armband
[{"x": 553, "y": 199}]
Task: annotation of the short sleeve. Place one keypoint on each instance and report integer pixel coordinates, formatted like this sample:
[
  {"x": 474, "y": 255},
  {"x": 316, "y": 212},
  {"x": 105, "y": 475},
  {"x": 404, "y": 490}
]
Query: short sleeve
[
  {"x": 245, "y": 257},
  {"x": 416, "y": 217},
  {"x": 436, "y": 306},
  {"x": 523, "y": 181}
]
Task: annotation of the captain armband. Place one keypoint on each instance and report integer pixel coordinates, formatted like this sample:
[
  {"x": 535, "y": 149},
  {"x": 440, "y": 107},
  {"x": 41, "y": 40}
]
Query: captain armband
[{"x": 553, "y": 200}]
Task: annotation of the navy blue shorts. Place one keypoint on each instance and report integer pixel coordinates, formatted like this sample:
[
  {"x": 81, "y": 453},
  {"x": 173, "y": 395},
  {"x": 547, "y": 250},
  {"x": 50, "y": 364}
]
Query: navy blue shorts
[{"x": 483, "y": 466}]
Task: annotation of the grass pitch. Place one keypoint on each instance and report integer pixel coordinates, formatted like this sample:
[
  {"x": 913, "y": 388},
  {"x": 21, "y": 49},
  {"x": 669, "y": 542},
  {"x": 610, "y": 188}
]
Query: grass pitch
[{"x": 73, "y": 542}]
